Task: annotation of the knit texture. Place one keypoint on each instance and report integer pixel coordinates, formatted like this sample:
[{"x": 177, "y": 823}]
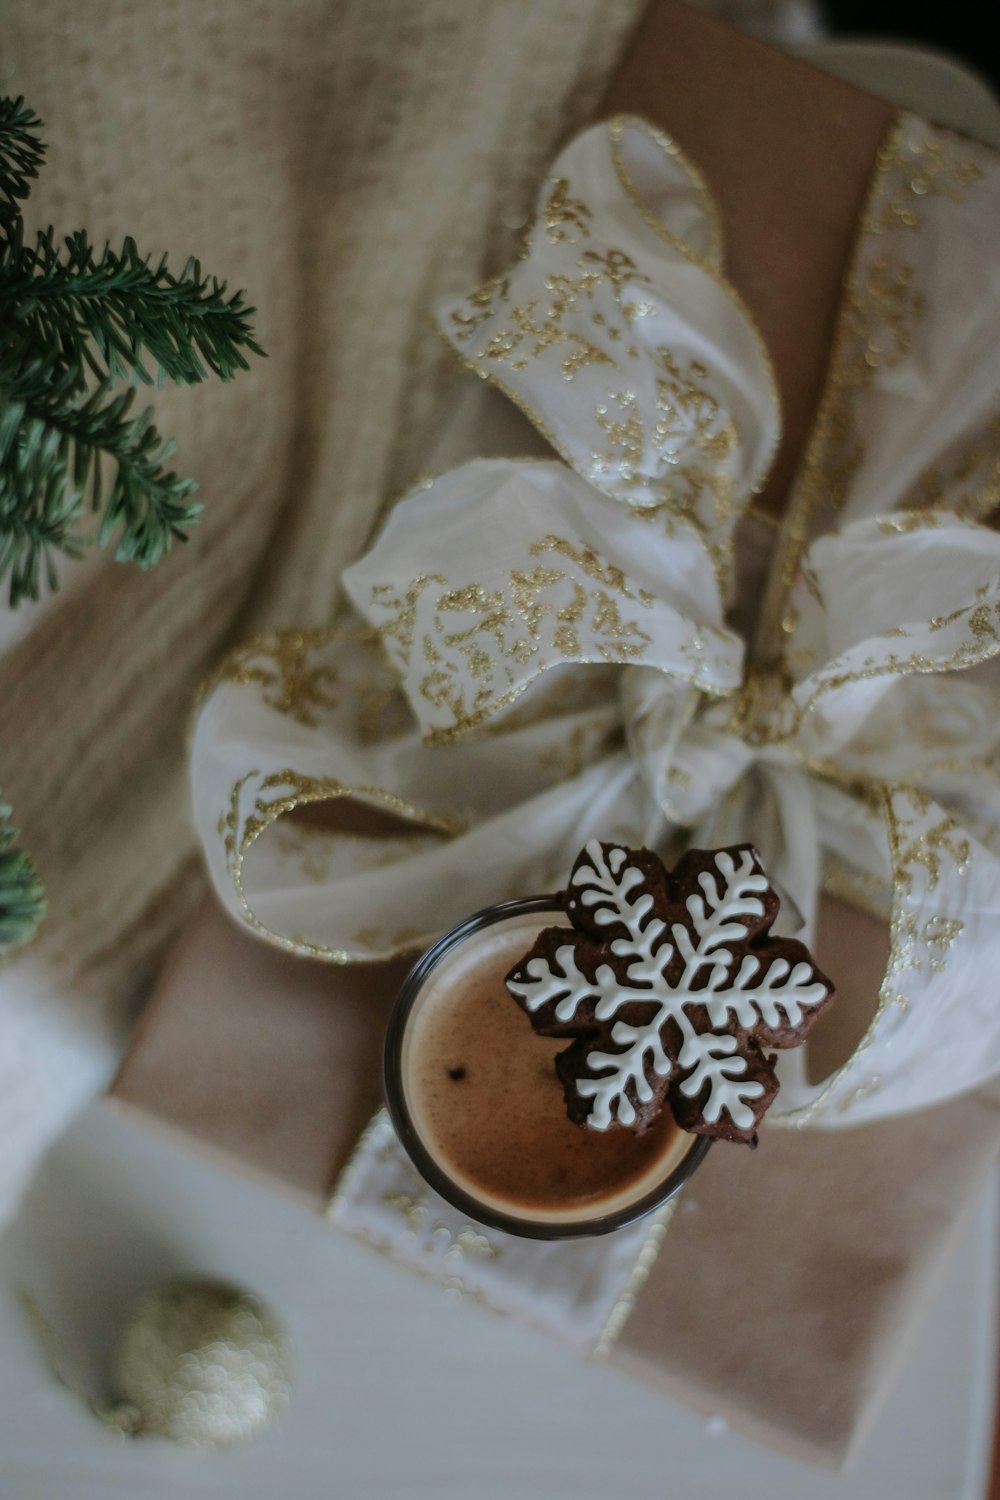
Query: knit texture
[{"x": 351, "y": 163}]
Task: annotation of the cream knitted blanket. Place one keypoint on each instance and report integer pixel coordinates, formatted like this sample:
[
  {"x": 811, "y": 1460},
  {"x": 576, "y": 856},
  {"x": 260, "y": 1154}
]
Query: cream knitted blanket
[{"x": 345, "y": 161}]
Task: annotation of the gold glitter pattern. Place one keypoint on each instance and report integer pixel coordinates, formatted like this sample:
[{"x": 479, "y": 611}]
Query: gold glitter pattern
[
  {"x": 469, "y": 651},
  {"x": 565, "y": 217},
  {"x": 925, "y": 168},
  {"x": 919, "y": 849},
  {"x": 416, "y": 1210},
  {"x": 927, "y": 847},
  {"x": 412, "y": 1207},
  {"x": 710, "y": 263},
  {"x": 256, "y": 804},
  {"x": 879, "y": 307},
  {"x": 979, "y": 642},
  {"x": 530, "y": 331},
  {"x": 712, "y": 254},
  {"x": 479, "y": 647},
  {"x": 687, "y": 418},
  {"x": 202, "y": 1363},
  {"x": 922, "y": 839},
  {"x": 283, "y": 665},
  {"x": 674, "y": 451},
  {"x": 280, "y": 663},
  {"x": 451, "y": 1250},
  {"x": 966, "y": 483},
  {"x": 624, "y": 1303}
]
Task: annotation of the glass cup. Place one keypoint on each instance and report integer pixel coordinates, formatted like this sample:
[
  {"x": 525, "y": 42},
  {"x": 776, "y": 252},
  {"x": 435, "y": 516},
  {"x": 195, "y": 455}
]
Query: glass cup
[{"x": 475, "y": 1099}]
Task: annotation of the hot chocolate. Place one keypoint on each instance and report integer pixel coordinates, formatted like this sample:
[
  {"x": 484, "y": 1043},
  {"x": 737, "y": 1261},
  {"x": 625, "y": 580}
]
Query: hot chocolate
[{"x": 481, "y": 1095}]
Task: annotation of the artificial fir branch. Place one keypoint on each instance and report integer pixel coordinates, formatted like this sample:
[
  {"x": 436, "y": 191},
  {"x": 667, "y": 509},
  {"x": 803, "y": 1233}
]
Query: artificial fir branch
[
  {"x": 21, "y": 154},
  {"x": 73, "y": 323},
  {"x": 22, "y": 901},
  {"x": 55, "y": 452},
  {"x": 106, "y": 311}
]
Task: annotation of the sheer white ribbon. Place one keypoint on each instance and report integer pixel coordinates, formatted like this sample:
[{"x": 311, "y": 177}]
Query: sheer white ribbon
[{"x": 560, "y": 634}]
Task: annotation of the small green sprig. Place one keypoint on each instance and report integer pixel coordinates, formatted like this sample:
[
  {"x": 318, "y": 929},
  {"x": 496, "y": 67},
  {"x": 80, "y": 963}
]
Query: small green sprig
[
  {"x": 21, "y": 154},
  {"x": 102, "y": 312},
  {"x": 75, "y": 323},
  {"x": 22, "y": 900}
]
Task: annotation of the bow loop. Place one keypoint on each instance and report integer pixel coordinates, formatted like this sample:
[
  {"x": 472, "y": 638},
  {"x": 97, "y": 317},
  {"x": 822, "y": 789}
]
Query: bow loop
[
  {"x": 619, "y": 337},
  {"x": 879, "y": 692}
]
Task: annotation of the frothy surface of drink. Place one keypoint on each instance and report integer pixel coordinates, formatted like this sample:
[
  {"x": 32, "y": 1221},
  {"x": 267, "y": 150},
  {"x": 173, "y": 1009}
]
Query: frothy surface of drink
[{"x": 483, "y": 1094}]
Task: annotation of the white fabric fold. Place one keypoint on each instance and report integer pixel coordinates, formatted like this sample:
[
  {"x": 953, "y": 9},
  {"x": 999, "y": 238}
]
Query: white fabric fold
[
  {"x": 923, "y": 352},
  {"x": 565, "y": 577},
  {"x": 620, "y": 337},
  {"x": 428, "y": 838}
]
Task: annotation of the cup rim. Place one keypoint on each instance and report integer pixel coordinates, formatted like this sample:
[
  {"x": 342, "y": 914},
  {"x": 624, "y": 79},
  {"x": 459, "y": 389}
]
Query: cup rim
[{"x": 433, "y": 1174}]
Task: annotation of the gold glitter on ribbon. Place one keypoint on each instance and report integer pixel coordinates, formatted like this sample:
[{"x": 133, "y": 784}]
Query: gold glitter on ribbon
[{"x": 293, "y": 790}]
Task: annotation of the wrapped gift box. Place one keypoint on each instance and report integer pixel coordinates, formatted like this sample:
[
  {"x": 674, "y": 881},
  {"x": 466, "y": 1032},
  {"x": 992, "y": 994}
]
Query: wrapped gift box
[{"x": 786, "y": 1286}]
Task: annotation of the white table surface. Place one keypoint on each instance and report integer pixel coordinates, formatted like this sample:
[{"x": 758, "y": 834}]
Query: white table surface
[{"x": 401, "y": 1391}]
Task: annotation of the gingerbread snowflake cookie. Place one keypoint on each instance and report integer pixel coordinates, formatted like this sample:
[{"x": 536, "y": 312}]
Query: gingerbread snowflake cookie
[{"x": 672, "y": 988}]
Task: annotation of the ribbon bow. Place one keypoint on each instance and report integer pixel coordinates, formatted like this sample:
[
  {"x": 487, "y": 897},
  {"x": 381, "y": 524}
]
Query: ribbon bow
[{"x": 565, "y": 637}]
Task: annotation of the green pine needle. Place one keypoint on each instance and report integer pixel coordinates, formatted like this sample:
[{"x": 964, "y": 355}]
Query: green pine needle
[
  {"x": 22, "y": 900},
  {"x": 56, "y": 454},
  {"x": 21, "y": 154},
  {"x": 104, "y": 312},
  {"x": 73, "y": 323}
]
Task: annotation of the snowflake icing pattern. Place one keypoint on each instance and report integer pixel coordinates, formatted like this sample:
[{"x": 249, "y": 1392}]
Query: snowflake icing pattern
[{"x": 671, "y": 986}]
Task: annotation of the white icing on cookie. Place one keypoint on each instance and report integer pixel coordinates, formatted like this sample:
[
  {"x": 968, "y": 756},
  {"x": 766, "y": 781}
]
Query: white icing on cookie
[{"x": 745, "y": 988}]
